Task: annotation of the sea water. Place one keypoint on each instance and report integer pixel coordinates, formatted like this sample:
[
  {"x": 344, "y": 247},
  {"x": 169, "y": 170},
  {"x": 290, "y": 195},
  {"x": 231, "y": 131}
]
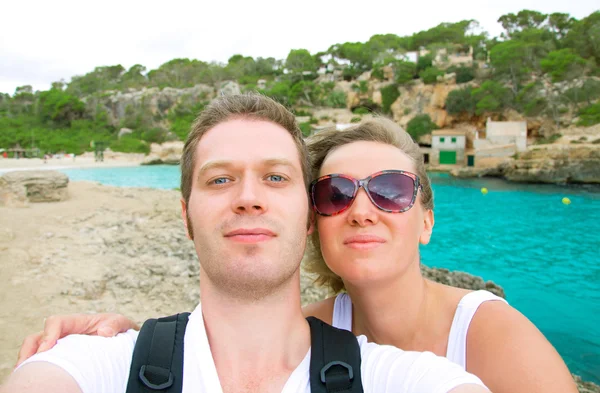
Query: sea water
[{"x": 544, "y": 253}]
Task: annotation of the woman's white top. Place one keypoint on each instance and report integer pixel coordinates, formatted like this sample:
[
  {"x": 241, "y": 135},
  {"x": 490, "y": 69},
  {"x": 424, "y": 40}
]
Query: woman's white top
[{"x": 457, "y": 340}]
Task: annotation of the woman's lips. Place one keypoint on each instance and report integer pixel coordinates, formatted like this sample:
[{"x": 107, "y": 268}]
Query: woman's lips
[{"x": 363, "y": 242}]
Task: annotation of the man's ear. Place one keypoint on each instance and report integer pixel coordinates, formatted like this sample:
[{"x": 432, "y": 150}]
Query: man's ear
[
  {"x": 186, "y": 222},
  {"x": 428, "y": 222}
]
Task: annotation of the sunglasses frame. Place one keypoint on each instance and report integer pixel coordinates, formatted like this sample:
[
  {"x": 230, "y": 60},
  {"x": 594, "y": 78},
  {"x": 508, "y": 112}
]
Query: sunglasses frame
[{"x": 364, "y": 184}]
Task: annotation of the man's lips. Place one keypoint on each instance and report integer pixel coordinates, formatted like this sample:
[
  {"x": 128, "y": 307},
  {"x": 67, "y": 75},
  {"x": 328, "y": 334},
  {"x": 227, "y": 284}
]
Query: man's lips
[
  {"x": 363, "y": 242},
  {"x": 250, "y": 235}
]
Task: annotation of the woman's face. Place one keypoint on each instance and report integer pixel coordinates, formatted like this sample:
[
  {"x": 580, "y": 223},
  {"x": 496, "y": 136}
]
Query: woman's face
[{"x": 364, "y": 244}]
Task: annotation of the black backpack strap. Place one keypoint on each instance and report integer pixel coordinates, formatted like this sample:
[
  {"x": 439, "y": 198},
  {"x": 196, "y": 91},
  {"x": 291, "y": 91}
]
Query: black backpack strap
[
  {"x": 157, "y": 363},
  {"x": 334, "y": 359}
]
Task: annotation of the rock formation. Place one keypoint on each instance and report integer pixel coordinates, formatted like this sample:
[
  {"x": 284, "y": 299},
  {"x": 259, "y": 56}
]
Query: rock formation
[
  {"x": 18, "y": 188},
  {"x": 557, "y": 164},
  {"x": 167, "y": 153}
]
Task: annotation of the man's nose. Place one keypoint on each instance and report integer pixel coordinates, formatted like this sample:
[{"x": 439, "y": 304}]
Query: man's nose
[{"x": 251, "y": 198}]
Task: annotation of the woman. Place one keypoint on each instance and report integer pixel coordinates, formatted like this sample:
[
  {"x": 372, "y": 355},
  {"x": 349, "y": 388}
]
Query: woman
[{"x": 374, "y": 206}]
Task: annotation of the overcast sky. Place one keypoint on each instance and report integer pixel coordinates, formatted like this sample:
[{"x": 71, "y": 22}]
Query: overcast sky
[{"x": 43, "y": 41}]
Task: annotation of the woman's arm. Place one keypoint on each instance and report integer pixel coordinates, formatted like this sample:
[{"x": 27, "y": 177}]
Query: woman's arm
[
  {"x": 511, "y": 355},
  {"x": 59, "y": 326}
]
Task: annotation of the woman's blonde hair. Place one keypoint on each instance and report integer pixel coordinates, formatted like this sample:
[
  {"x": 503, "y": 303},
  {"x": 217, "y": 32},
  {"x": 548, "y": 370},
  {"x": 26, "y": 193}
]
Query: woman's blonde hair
[{"x": 323, "y": 143}]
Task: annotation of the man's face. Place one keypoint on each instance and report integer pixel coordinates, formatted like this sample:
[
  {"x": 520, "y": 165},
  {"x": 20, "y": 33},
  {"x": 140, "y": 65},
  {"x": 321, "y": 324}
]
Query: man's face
[{"x": 248, "y": 207}]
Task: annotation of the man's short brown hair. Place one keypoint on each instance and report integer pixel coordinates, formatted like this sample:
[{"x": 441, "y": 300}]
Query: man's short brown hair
[{"x": 245, "y": 106}]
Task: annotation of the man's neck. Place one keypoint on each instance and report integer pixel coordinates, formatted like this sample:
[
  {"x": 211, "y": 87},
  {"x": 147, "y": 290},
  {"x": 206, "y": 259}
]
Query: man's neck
[{"x": 255, "y": 344}]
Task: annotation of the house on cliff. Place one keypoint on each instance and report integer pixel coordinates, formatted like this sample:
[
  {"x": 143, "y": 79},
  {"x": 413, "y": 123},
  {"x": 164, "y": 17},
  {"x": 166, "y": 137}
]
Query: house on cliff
[
  {"x": 502, "y": 139},
  {"x": 448, "y": 147}
]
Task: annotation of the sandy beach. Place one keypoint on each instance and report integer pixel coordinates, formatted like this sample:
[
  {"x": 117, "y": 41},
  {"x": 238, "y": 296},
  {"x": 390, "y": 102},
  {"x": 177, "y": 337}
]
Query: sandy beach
[{"x": 84, "y": 161}]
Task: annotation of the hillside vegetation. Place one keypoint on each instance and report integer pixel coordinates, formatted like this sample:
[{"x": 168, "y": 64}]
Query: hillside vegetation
[{"x": 544, "y": 65}]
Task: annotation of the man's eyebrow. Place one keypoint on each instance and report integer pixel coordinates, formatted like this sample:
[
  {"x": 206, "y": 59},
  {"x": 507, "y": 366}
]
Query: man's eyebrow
[
  {"x": 269, "y": 162},
  {"x": 279, "y": 161},
  {"x": 214, "y": 164}
]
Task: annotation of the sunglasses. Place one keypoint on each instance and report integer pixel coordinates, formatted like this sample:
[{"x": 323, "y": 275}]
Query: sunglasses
[{"x": 391, "y": 191}]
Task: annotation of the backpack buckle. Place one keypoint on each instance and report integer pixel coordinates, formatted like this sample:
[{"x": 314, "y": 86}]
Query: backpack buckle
[
  {"x": 158, "y": 374},
  {"x": 337, "y": 363}
]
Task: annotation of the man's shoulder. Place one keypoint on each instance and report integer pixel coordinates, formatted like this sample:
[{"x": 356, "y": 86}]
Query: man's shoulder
[{"x": 93, "y": 361}]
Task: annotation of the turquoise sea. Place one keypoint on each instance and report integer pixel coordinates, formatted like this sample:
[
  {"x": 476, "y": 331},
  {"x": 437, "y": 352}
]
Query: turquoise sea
[{"x": 545, "y": 254}]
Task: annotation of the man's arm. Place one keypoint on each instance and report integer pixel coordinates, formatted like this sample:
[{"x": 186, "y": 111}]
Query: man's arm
[{"x": 40, "y": 377}]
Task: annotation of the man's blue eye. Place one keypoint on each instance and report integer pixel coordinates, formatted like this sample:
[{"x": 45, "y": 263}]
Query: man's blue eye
[
  {"x": 276, "y": 178},
  {"x": 220, "y": 180}
]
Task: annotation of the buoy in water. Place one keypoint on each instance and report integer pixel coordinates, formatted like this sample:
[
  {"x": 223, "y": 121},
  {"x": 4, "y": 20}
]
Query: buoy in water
[
  {"x": 484, "y": 190},
  {"x": 566, "y": 201}
]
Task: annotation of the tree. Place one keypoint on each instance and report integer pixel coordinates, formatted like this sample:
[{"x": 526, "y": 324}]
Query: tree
[
  {"x": 523, "y": 20},
  {"x": 360, "y": 55},
  {"x": 60, "y": 108},
  {"x": 404, "y": 71},
  {"x": 461, "y": 101},
  {"x": 512, "y": 61},
  {"x": 563, "y": 65},
  {"x": 491, "y": 96},
  {"x": 389, "y": 95},
  {"x": 300, "y": 60},
  {"x": 584, "y": 37},
  {"x": 420, "y": 125},
  {"x": 429, "y": 76},
  {"x": 424, "y": 62},
  {"x": 134, "y": 77}
]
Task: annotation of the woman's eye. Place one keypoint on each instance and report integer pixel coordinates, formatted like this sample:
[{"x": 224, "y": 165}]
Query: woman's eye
[{"x": 276, "y": 178}]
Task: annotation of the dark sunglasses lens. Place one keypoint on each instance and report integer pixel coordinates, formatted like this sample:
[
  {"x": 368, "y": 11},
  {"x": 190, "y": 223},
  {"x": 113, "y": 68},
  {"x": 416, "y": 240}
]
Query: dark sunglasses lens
[
  {"x": 332, "y": 195},
  {"x": 392, "y": 191}
]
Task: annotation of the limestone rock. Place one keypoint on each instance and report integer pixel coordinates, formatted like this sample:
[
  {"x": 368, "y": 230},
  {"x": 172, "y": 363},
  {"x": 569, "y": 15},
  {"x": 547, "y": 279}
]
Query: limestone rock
[
  {"x": 461, "y": 280},
  {"x": 584, "y": 386},
  {"x": 229, "y": 88},
  {"x": 124, "y": 131},
  {"x": 18, "y": 188},
  {"x": 168, "y": 153},
  {"x": 557, "y": 164}
]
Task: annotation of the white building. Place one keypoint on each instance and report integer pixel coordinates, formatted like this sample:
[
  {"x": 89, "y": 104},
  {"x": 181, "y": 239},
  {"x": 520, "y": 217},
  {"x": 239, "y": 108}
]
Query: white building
[{"x": 448, "y": 147}]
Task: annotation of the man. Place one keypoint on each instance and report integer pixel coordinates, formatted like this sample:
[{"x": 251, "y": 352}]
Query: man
[{"x": 245, "y": 206}]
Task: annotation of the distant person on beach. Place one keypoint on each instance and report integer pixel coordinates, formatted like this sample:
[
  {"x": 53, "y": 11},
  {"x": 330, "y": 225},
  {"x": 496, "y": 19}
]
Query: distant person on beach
[
  {"x": 245, "y": 206},
  {"x": 5, "y": 154}
]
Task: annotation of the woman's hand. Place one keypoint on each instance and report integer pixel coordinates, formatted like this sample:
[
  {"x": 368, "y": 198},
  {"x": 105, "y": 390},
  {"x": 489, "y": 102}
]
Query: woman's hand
[{"x": 59, "y": 326}]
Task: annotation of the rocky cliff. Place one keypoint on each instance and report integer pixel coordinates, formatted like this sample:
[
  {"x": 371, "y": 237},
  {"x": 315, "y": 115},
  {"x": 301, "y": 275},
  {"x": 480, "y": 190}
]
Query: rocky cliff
[{"x": 557, "y": 164}]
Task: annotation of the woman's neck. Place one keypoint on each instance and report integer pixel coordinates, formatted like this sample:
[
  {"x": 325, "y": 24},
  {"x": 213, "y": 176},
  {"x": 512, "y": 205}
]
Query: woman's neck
[{"x": 400, "y": 313}]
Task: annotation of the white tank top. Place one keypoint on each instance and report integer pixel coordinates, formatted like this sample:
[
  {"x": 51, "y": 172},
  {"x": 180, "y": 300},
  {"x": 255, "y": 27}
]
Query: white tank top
[{"x": 457, "y": 340}]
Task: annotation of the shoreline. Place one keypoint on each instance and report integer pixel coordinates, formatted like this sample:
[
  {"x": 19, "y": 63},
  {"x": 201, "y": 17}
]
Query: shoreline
[{"x": 83, "y": 162}]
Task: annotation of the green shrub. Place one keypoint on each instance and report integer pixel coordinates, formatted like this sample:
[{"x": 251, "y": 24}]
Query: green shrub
[
  {"x": 460, "y": 101},
  {"x": 551, "y": 139},
  {"x": 355, "y": 119},
  {"x": 463, "y": 74},
  {"x": 420, "y": 125},
  {"x": 129, "y": 144},
  {"x": 361, "y": 110},
  {"x": 154, "y": 135},
  {"x": 389, "y": 95},
  {"x": 596, "y": 141},
  {"x": 407, "y": 111},
  {"x": 589, "y": 115},
  {"x": 306, "y": 129},
  {"x": 302, "y": 112},
  {"x": 429, "y": 75},
  {"x": 336, "y": 99}
]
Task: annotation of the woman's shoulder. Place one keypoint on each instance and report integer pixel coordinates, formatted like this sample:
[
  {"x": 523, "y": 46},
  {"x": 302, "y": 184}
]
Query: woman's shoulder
[{"x": 322, "y": 310}]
